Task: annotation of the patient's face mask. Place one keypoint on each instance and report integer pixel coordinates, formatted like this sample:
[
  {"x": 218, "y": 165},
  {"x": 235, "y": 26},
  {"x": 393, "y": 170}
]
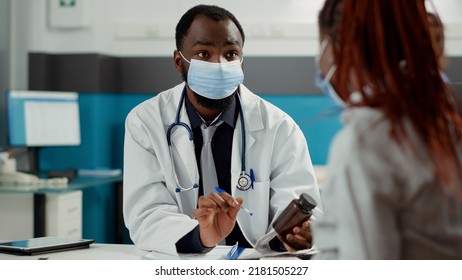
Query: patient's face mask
[
  {"x": 214, "y": 80},
  {"x": 323, "y": 83}
]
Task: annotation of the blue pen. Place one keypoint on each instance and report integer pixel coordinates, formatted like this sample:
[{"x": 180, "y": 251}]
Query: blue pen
[
  {"x": 252, "y": 178},
  {"x": 219, "y": 190}
]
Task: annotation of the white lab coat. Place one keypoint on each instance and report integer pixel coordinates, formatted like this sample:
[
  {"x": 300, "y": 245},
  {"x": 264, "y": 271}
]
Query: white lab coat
[
  {"x": 158, "y": 216},
  {"x": 382, "y": 201}
]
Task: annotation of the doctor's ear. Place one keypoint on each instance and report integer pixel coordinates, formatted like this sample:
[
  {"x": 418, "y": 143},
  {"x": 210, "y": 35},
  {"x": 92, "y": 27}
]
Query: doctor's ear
[{"x": 177, "y": 60}]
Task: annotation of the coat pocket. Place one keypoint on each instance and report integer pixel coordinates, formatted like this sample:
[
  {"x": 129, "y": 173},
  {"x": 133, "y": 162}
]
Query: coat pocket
[
  {"x": 187, "y": 201},
  {"x": 257, "y": 201}
]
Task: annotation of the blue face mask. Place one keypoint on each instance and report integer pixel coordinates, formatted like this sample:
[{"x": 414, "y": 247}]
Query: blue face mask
[
  {"x": 323, "y": 83},
  {"x": 326, "y": 88},
  {"x": 214, "y": 80}
]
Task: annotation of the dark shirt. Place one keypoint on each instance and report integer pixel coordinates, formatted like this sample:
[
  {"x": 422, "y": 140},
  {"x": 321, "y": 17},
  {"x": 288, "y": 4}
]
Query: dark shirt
[{"x": 222, "y": 143}]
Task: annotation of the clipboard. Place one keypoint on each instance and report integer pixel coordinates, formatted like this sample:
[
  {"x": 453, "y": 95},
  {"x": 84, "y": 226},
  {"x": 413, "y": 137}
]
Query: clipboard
[{"x": 41, "y": 245}]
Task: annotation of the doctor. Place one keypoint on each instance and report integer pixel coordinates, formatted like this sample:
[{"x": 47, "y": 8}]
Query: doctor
[{"x": 260, "y": 155}]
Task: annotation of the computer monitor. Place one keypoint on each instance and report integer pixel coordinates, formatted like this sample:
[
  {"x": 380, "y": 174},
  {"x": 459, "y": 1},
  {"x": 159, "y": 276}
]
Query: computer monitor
[
  {"x": 43, "y": 118},
  {"x": 3, "y": 123}
]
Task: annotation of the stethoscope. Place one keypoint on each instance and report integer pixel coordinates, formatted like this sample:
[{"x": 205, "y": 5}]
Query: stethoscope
[{"x": 245, "y": 180}]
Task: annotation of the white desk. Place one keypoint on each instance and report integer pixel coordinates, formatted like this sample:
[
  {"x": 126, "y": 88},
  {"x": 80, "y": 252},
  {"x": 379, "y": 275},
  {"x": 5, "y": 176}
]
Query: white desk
[
  {"x": 99, "y": 251},
  {"x": 95, "y": 252}
]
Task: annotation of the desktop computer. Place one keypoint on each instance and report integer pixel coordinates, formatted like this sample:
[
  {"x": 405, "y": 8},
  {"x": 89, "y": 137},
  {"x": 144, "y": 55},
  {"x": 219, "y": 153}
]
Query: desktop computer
[{"x": 40, "y": 119}]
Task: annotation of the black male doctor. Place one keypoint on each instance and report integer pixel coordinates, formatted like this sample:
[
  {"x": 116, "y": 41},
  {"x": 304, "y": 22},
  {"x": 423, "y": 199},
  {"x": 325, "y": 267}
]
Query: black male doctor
[{"x": 260, "y": 155}]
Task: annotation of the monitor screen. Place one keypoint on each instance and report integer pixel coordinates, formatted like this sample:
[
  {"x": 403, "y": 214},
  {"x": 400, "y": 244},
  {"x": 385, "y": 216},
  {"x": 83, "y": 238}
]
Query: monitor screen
[
  {"x": 3, "y": 126},
  {"x": 43, "y": 118}
]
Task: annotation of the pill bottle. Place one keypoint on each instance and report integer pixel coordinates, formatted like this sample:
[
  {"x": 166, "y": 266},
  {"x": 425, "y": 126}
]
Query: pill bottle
[{"x": 298, "y": 211}]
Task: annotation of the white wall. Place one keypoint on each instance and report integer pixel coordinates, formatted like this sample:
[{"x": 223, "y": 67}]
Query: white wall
[{"x": 146, "y": 27}]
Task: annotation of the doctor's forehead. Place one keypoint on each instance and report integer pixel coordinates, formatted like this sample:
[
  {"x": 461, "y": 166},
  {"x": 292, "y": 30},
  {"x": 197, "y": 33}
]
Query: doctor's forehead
[{"x": 207, "y": 31}]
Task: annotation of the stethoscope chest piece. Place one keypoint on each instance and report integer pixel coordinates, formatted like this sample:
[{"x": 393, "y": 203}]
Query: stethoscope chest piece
[{"x": 244, "y": 182}]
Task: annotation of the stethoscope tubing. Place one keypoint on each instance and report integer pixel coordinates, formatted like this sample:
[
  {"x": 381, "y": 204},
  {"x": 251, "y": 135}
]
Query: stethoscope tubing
[{"x": 191, "y": 135}]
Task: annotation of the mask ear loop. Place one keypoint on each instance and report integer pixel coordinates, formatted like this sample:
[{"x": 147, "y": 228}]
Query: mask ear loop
[
  {"x": 322, "y": 48},
  {"x": 330, "y": 73},
  {"x": 332, "y": 69},
  {"x": 182, "y": 56}
]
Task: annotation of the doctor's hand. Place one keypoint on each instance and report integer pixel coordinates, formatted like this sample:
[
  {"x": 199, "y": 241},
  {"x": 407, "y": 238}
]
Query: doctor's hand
[
  {"x": 300, "y": 236},
  {"x": 216, "y": 214}
]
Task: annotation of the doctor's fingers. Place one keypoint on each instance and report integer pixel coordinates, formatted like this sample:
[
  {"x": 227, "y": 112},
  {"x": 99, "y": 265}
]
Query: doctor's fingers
[
  {"x": 303, "y": 231},
  {"x": 207, "y": 205},
  {"x": 221, "y": 201},
  {"x": 287, "y": 246},
  {"x": 234, "y": 209},
  {"x": 299, "y": 241},
  {"x": 203, "y": 213}
]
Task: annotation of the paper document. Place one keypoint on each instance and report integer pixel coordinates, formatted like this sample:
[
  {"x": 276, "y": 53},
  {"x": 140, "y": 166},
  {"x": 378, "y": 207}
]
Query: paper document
[
  {"x": 262, "y": 250},
  {"x": 273, "y": 254},
  {"x": 218, "y": 253}
]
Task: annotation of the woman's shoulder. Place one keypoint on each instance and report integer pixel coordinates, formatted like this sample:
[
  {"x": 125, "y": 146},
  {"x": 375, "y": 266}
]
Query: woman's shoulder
[
  {"x": 365, "y": 126},
  {"x": 365, "y": 137}
]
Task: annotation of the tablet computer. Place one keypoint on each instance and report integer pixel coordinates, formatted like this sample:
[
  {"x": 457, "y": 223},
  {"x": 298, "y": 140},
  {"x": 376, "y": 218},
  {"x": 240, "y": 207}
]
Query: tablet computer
[{"x": 41, "y": 245}]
